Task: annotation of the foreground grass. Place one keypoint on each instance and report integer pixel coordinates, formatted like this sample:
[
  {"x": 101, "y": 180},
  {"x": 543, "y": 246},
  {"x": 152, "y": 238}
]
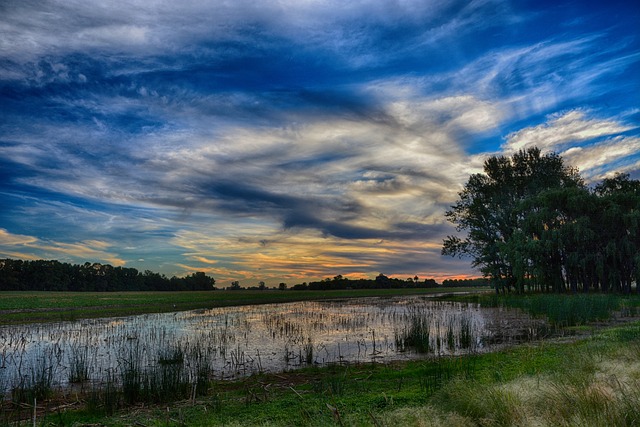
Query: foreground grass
[
  {"x": 29, "y": 307},
  {"x": 594, "y": 381}
]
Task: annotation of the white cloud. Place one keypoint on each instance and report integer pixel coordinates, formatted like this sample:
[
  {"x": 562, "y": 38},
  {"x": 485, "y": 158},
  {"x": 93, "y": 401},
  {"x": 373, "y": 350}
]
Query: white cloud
[
  {"x": 599, "y": 160},
  {"x": 563, "y": 129}
]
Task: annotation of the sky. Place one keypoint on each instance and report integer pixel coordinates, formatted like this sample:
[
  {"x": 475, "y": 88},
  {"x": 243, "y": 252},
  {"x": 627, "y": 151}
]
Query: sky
[{"x": 293, "y": 140}]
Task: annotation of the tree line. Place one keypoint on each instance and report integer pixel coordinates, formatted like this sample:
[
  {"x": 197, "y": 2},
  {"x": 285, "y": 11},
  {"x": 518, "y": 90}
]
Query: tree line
[
  {"x": 379, "y": 282},
  {"x": 532, "y": 224},
  {"x": 51, "y": 275}
]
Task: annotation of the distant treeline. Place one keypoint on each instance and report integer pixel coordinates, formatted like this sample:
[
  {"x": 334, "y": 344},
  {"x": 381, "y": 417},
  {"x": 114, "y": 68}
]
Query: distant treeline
[
  {"x": 380, "y": 282},
  {"x": 384, "y": 282},
  {"x": 465, "y": 283},
  {"x": 41, "y": 275}
]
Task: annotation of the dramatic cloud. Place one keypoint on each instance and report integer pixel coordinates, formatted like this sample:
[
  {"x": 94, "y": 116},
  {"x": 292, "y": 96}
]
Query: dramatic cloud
[{"x": 289, "y": 140}]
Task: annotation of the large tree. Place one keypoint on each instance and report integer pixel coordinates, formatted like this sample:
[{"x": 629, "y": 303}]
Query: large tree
[{"x": 490, "y": 211}]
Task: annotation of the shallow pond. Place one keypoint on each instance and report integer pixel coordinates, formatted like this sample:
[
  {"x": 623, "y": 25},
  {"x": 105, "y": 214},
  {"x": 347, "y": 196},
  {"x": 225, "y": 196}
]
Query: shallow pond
[{"x": 237, "y": 341}]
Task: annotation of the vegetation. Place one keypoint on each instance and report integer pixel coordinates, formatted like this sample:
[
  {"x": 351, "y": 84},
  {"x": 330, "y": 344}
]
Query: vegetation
[
  {"x": 592, "y": 381},
  {"x": 380, "y": 282},
  {"x": 465, "y": 283},
  {"x": 562, "y": 310},
  {"x": 532, "y": 224},
  {"x": 41, "y": 275}
]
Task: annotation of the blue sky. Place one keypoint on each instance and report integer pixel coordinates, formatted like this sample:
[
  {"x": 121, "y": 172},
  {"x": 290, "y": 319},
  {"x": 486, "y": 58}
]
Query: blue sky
[{"x": 292, "y": 140}]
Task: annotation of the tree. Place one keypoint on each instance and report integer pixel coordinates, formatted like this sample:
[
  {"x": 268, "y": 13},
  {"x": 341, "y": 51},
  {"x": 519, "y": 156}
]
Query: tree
[
  {"x": 282, "y": 286},
  {"x": 199, "y": 281},
  {"x": 489, "y": 209},
  {"x": 620, "y": 232}
]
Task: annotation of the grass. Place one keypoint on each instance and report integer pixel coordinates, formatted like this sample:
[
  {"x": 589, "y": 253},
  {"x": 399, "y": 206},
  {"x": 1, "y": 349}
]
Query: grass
[
  {"x": 594, "y": 381},
  {"x": 563, "y": 310},
  {"x": 31, "y": 307}
]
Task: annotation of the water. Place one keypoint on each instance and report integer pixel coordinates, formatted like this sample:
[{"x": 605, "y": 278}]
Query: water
[{"x": 239, "y": 341}]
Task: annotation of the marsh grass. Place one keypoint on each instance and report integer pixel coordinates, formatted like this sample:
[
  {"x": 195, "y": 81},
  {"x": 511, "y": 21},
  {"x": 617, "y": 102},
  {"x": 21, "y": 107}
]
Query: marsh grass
[
  {"x": 201, "y": 370},
  {"x": 37, "y": 383},
  {"x": 78, "y": 363},
  {"x": 417, "y": 333},
  {"x": 564, "y": 310},
  {"x": 422, "y": 333},
  {"x": 131, "y": 374},
  {"x": 466, "y": 332},
  {"x": 518, "y": 386},
  {"x": 592, "y": 382}
]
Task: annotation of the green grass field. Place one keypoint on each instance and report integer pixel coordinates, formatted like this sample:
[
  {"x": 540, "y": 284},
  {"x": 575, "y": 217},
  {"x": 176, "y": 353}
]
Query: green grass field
[{"x": 30, "y": 307}]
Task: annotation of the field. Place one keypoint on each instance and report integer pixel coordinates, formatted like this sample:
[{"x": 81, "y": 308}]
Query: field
[
  {"x": 30, "y": 307},
  {"x": 590, "y": 376}
]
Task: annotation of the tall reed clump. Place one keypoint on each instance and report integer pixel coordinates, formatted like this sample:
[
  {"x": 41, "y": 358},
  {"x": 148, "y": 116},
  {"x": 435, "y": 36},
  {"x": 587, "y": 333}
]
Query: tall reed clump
[
  {"x": 466, "y": 332},
  {"x": 201, "y": 371},
  {"x": 167, "y": 380},
  {"x": 417, "y": 332},
  {"x": 37, "y": 383},
  {"x": 172, "y": 375},
  {"x": 131, "y": 374},
  {"x": 78, "y": 363}
]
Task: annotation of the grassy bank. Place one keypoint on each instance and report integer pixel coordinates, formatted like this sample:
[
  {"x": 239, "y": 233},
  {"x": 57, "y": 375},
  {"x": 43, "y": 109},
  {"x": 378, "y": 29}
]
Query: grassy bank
[
  {"x": 562, "y": 310},
  {"x": 26, "y": 307},
  {"x": 594, "y": 381}
]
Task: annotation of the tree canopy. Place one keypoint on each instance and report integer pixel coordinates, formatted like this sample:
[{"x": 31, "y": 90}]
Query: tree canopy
[{"x": 532, "y": 223}]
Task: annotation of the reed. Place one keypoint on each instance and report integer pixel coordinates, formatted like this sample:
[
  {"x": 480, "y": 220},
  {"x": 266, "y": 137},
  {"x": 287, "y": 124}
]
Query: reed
[
  {"x": 78, "y": 363},
  {"x": 104, "y": 398},
  {"x": 201, "y": 370},
  {"x": 565, "y": 310},
  {"x": 467, "y": 338},
  {"x": 37, "y": 382},
  {"x": 131, "y": 374},
  {"x": 417, "y": 334}
]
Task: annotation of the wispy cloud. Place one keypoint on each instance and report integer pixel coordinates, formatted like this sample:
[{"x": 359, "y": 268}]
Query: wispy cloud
[
  {"x": 594, "y": 145},
  {"x": 27, "y": 245}
]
